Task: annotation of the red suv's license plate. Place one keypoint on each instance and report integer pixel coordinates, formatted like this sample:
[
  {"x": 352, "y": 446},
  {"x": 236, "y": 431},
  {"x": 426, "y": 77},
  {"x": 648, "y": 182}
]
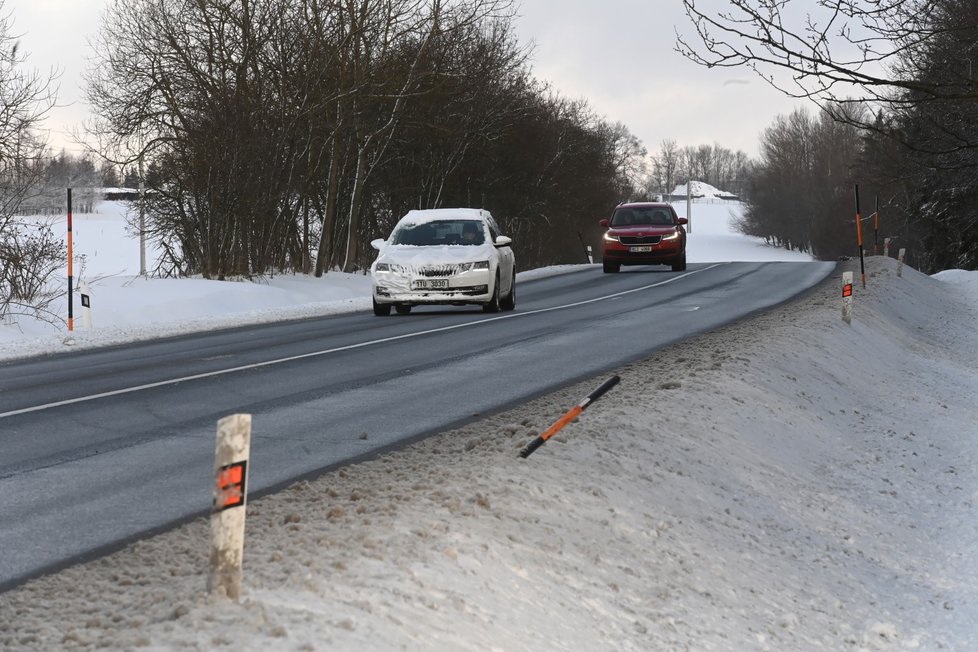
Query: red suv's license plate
[
  {"x": 638, "y": 250},
  {"x": 432, "y": 284}
]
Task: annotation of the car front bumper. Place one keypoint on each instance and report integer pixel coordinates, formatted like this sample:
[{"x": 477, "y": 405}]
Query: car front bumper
[
  {"x": 467, "y": 287},
  {"x": 660, "y": 253}
]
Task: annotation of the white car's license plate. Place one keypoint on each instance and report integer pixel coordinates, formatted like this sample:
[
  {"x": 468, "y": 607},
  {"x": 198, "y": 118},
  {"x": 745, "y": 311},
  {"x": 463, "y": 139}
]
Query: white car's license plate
[
  {"x": 431, "y": 284},
  {"x": 639, "y": 250}
]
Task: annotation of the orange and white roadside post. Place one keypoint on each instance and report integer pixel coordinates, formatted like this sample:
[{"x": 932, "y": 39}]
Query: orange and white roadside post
[
  {"x": 847, "y": 297},
  {"x": 228, "y": 509},
  {"x": 569, "y": 416},
  {"x": 71, "y": 278},
  {"x": 859, "y": 238},
  {"x": 902, "y": 253}
]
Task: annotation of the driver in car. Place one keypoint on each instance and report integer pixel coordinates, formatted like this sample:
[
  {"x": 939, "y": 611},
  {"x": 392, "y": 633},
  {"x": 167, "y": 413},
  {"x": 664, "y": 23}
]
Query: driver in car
[{"x": 470, "y": 233}]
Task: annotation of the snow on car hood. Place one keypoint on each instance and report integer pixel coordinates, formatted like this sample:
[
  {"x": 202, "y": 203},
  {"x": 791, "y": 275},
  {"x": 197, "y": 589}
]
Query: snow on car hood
[{"x": 415, "y": 256}]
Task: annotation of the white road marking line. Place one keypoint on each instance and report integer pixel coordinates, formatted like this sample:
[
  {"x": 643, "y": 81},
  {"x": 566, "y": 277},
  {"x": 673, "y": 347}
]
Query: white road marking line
[{"x": 349, "y": 347}]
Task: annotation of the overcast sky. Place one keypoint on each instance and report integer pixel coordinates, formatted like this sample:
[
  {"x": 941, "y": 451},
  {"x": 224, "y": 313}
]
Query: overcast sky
[{"x": 618, "y": 54}]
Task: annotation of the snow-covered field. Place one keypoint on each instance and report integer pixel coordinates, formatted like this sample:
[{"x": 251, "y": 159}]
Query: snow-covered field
[{"x": 789, "y": 482}]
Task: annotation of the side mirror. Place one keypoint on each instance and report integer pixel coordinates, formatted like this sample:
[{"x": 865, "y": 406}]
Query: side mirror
[
  {"x": 603, "y": 222},
  {"x": 378, "y": 244},
  {"x": 683, "y": 220},
  {"x": 503, "y": 240}
]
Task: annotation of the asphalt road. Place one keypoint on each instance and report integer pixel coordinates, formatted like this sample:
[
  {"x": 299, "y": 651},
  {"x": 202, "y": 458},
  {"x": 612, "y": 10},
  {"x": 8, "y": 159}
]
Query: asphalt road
[{"x": 100, "y": 447}]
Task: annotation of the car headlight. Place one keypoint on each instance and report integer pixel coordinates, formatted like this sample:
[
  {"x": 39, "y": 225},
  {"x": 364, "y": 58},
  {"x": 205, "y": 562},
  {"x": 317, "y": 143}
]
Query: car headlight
[
  {"x": 481, "y": 264},
  {"x": 672, "y": 236},
  {"x": 610, "y": 237},
  {"x": 382, "y": 267}
]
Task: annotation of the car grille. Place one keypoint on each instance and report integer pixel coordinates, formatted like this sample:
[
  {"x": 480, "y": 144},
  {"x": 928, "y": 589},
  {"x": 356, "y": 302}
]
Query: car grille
[
  {"x": 640, "y": 240},
  {"x": 438, "y": 270}
]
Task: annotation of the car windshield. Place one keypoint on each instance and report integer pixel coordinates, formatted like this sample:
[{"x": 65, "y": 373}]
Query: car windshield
[
  {"x": 638, "y": 215},
  {"x": 441, "y": 232}
]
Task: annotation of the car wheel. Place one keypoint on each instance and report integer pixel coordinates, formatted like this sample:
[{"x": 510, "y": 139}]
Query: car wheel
[
  {"x": 680, "y": 265},
  {"x": 610, "y": 268},
  {"x": 509, "y": 301},
  {"x": 493, "y": 305},
  {"x": 402, "y": 310},
  {"x": 382, "y": 309}
]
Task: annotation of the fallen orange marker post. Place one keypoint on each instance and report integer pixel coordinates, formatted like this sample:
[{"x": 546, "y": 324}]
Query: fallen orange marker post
[{"x": 569, "y": 416}]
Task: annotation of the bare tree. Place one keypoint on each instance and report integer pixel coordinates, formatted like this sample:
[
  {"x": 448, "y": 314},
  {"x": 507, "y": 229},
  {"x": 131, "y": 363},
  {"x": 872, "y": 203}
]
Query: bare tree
[
  {"x": 627, "y": 155},
  {"x": 401, "y": 32},
  {"x": 842, "y": 52},
  {"x": 25, "y": 99},
  {"x": 29, "y": 253},
  {"x": 665, "y": 167},
  {"x": 206, "y": 90},
  {"x": 377, "y": 33},
  {"x": 910, "y": 63},
  {"x": 801, "y": 195}
]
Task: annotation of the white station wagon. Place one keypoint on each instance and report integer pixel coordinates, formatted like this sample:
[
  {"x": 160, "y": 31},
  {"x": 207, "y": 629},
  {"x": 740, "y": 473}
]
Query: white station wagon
[{"x": 448, "y": 256}]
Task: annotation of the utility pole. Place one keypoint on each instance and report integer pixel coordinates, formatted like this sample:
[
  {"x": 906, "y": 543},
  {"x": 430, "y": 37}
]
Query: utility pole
[{"x": 689, "y": 205}]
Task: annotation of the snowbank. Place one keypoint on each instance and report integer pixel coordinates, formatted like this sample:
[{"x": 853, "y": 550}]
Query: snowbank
[
  {"x": 786, "y": 483},
  {"x": 703, "y": 191}
]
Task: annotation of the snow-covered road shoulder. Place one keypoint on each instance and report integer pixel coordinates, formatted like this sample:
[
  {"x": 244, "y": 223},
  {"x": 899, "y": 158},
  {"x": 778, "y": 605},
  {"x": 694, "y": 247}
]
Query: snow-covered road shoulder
[{"x": 788, "y": 482}]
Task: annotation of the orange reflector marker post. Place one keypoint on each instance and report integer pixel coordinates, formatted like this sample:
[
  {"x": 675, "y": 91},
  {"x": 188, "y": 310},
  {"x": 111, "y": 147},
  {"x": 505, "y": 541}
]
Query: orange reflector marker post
[
  {"x": 569, "y": 416},
  {"x": 231, "y": 490},
  {"x": 859, "y": 238},
  {"x": 847, "y": 297},
  {"x": 71, "y": 277},
  {"x": 228, "y": 507}
]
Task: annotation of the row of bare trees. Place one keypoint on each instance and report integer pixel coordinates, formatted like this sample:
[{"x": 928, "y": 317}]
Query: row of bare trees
[
  {"x": 289, "y": 133},
  {"x": 801, "y": 188},
  {"x": 900, "y": 81},
  {"x": 714, "y": 164}
]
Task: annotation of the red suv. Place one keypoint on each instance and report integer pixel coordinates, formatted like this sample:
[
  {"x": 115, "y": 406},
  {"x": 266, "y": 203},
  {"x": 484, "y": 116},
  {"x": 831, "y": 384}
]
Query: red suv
[{"x": 644, "y": 234}]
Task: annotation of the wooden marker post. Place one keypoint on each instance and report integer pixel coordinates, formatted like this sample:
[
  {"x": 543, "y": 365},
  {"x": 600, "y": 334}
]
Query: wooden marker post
[
  {"x": 228, "y": 510},
  {"x": 847, "y": 297},
  {"x": 900, "y": 261}
]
